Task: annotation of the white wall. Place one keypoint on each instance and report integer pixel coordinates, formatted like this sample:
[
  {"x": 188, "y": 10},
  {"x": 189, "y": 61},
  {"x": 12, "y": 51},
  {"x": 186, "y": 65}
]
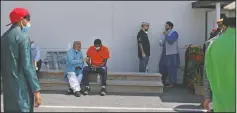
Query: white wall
[
  {"x": 55, "y": 23},
  {"x": 230, "y": 13},
  {"x": 211, "y": 22}
]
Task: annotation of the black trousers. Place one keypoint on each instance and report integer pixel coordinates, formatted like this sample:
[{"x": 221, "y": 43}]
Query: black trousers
[
  {"x": 102, "y": 71},
  {"x": 38, "y": 64}
]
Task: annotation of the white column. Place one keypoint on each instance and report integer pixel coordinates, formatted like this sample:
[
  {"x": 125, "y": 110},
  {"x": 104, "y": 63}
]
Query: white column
[{"x": 218, "y": 10}]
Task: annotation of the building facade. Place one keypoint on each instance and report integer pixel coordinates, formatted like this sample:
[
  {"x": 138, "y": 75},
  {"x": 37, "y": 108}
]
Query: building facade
[{"x": 55, "y": 24}]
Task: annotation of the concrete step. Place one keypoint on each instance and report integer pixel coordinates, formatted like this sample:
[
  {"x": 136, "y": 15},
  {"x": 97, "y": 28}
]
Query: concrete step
[
  {"x": 113, "y": 86},
  {"x": 134, "y": 76},
  {"x": 113, "y": 76}
]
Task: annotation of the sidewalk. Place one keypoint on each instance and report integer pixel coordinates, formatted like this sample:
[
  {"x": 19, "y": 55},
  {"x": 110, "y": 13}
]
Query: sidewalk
[{"x": 176, "y": 99}]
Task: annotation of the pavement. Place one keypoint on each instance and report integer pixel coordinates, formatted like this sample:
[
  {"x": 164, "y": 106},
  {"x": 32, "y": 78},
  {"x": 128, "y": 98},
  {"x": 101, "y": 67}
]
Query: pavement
[{"x": 177, "y": 99}]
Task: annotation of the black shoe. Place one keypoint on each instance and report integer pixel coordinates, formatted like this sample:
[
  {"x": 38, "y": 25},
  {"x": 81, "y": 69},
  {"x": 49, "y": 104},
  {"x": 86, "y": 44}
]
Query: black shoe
[
  {"x": 77, "y": 94},
  {"x": 103, "y": 91},
  {"x": 69, "y": 91},
  {"x": 87, "y": 90}
]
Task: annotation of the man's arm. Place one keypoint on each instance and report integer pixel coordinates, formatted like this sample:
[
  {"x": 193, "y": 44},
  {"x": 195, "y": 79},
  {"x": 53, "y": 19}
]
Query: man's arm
[
  {"x": 171, "y": 39},
  {"x": 139, "y": 40},
  {"x": 88, "y": 61},
  {"x": 81, "y": 64},
  {"x": 106, "y": 56},
  {"x": 71, "y": 60},
  {"x": 89, "y": 54},
  {"x": 27, "y": 65},
  {"x": 37, "y": 57},
  {"x": 104, "y": 63}
]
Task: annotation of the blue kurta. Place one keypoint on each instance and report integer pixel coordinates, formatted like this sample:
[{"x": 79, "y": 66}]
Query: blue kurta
[
  {"x": 74, "y": 59},
  {"x": 18, "y": 73}
]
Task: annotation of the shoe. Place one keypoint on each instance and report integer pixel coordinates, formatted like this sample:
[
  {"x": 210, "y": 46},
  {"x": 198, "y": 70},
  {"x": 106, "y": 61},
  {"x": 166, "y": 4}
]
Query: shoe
[
  {"x": 170, "y": 86},
  {"x": 69, "y": 91},
  {"x": 103, "y": 91},
  {"x": 86, "y": 91},
  {"x": 77, "y": 94}
]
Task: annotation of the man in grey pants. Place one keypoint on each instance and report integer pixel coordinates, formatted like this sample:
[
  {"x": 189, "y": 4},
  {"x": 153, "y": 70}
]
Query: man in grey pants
[{"x": 143, "y": 47}]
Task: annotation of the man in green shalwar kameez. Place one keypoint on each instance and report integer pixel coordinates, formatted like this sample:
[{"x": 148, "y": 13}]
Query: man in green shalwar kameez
[
  {"x": 20, "y": 83},
  {"x": 220, "y": 68}
]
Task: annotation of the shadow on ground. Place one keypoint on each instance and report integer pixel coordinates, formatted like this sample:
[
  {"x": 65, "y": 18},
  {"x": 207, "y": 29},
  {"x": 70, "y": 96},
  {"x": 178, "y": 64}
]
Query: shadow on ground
[
  {"x": 179, "y": 94},
  {"x": 183, "y": 108}
]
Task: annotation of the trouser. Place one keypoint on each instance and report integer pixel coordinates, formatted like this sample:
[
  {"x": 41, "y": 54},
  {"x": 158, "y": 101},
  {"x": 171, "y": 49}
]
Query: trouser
[
  {"x": 74, "y": 81},
  {"x": 38, "y": 64},
  {"x": 102, "y": 71},
  {"x": 163, "y": 67},
  {"x": 168, "y": 67},
  {"x": 172, "y": 68},
  {"x": 143, "y": 62}
]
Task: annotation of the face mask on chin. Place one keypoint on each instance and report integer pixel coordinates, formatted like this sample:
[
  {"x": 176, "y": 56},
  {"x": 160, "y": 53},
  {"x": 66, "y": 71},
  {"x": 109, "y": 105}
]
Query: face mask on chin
[{"x": 146, "y": 31}]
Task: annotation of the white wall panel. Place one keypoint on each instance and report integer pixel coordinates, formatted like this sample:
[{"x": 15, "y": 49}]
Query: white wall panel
[{"x": 55, "y": 23}]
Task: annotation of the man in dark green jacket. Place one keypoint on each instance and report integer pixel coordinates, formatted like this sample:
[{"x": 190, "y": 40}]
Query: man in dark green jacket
[{"x": 20, "y": 83}]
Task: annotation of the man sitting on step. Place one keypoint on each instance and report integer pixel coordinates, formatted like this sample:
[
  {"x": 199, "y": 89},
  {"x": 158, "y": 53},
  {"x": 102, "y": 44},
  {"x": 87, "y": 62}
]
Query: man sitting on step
[
  {"x": 97, "y": 56},
  {"x": 73, "y": 68}
]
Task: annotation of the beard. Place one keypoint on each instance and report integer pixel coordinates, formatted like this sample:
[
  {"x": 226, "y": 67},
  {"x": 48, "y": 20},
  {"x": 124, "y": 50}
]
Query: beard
[{"x": 146, "y": 29}]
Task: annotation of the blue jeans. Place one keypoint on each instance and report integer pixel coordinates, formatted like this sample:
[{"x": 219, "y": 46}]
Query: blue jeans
[
  {"x": 143, "y": 62},
  {"x": 102, "y": 71}
]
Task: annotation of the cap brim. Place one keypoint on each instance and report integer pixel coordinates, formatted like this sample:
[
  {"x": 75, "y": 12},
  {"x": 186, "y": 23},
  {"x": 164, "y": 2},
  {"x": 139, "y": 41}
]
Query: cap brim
[{"x": 220, "y": 20}]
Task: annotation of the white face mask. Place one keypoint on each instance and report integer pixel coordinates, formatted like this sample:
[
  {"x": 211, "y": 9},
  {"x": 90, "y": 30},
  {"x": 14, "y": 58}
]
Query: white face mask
[{"x": 97, "y": 48}]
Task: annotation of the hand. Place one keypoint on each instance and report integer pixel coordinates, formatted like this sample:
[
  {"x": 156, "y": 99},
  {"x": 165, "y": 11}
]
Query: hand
[
  {"x": 161, "y": 43},
  {"x": 78, "y": 68},
  {"x": 165, "y": 32},
  {"x": 38, "y": 99},
  {"x": 86, "y": 59},
  {"x": 206, "y": 104},
  {"x": 143, "y": 55},
  {"x": 93, "y": 67},
  {"x": 36, "y": 68}
]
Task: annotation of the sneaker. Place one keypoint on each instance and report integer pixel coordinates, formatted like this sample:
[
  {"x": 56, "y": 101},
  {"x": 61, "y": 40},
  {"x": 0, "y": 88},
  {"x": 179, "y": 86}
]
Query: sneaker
[
  {"x": 170, "y": 86},
  {"x": 69, "y": 91},
  {"x": 86, "y": 91},
  {"x": 77, "y": 94},
  {"x": 103, "y": 91}
]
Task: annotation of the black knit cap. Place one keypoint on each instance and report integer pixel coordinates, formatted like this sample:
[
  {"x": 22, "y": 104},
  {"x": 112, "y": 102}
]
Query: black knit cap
[{"x": 97, "y": 42}]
